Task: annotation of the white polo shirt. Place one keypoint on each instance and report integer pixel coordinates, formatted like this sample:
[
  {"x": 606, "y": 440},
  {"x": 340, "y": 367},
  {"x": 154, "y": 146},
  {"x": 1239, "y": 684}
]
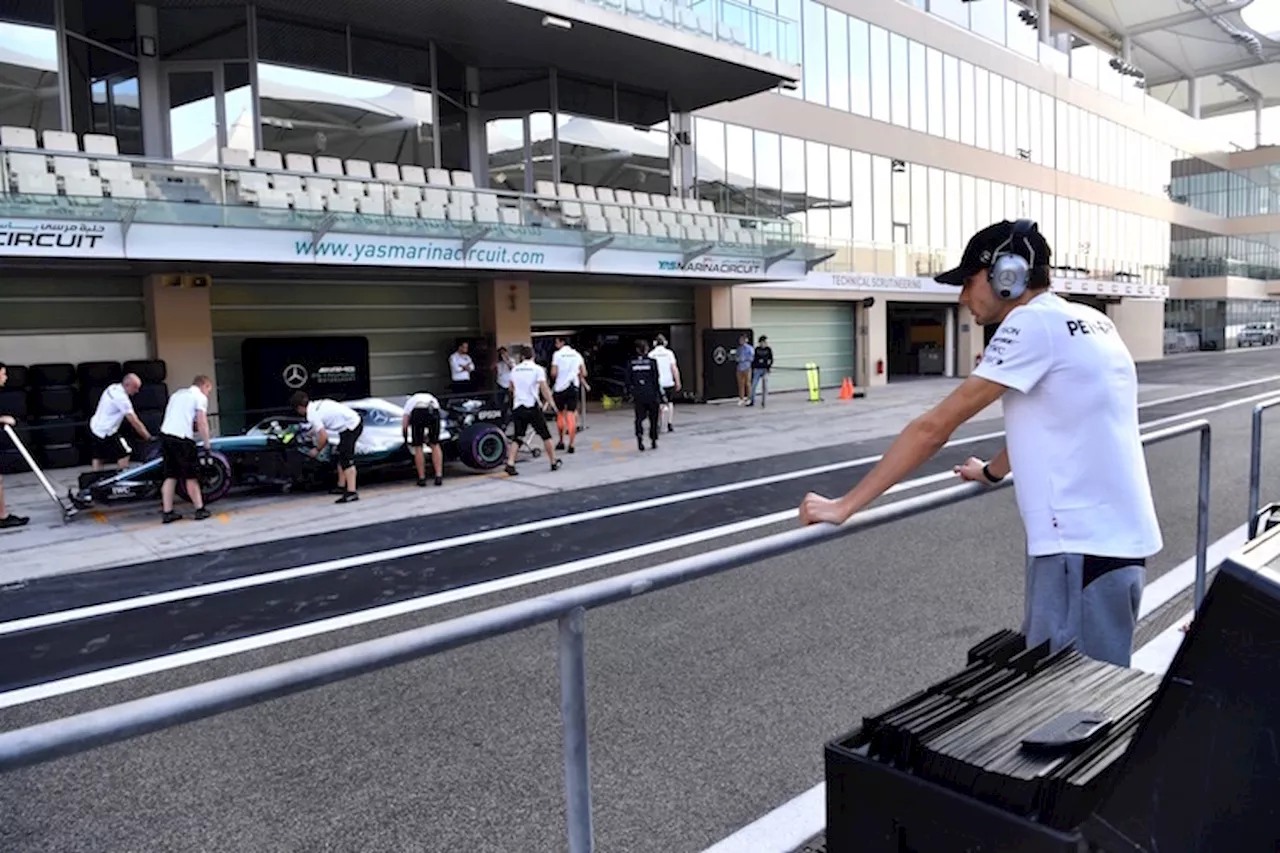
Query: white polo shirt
[
  {"x": 113, "y": 406},
  {"x": 666, "y": 361},
  {"x": 1071, "y": 423},
  {"x": 525, "y": 377},
  {"x": 567, "y": 361},
  {"x": 421, "y": 400},
  {"x": 331, "y": 416},
  {"x": 180, "y": 415},
  {"x": 460, "y": 367}
]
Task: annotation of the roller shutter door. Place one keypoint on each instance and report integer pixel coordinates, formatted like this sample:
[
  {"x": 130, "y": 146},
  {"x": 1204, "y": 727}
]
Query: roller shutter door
[
  {"x": 411, "y": 327},
  {"x": 570, "y": 306},
  {"x": 801, "y": 331},
  {"x": 70, "y": 318}
]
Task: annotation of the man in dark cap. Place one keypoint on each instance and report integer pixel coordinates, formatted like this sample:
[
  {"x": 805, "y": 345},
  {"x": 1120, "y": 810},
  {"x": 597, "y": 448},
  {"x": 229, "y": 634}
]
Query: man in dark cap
[{"x": 1069, "y": 391}]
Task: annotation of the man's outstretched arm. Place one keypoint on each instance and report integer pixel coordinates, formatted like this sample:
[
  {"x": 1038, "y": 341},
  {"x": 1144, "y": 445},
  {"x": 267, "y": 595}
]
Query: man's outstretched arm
[{"x": 922, "y": 438}]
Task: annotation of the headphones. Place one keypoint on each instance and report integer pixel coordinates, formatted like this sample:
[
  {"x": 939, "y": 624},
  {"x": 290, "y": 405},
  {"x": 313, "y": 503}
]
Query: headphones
[{"x": 1009, "y": 272}]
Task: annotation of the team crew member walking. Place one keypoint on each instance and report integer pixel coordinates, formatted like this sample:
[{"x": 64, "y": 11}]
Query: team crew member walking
[
  {"x": 746, "y": 354},
  {"x": 422, "y": 419},
  {"x": 668, "y": 380},
  {"x": 325, "y": 416},
  {"x": 186, "y": 414},
  {"x": 7, "y": 519},
  {"x": 528, "y": 385},
  {"x": 1069, "y": 392},
  {"x": 568, "y": 375},
  {"x": 114, "y": 408},
  {"x": 643, "y": 383}
]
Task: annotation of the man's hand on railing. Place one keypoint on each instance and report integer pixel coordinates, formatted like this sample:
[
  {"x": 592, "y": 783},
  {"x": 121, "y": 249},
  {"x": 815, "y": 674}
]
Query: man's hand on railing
[
  {"x": 815, "y": 509},
  {"x": 971, "y": 470}
]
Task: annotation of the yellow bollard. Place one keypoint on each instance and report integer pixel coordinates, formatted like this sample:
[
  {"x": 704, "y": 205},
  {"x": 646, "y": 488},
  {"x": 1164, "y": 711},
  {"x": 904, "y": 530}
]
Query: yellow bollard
[{"x": 811, "y": 371}]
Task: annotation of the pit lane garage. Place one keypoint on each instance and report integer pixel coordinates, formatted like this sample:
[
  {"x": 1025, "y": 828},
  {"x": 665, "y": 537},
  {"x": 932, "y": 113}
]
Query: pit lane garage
[{"x": 273, "y": 453}]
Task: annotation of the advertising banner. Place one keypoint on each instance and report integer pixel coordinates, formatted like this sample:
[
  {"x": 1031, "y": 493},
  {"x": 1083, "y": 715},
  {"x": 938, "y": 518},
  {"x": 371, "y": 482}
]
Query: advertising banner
[
  {"x": 36, "y": 238},
  {"x": 274, "y": 368},
  {"x": 868, "y": 283},
  {"x": 191, "y": 243}
]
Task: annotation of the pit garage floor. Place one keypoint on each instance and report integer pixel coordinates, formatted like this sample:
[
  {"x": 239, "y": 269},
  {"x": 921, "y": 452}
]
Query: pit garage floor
[{"x": 706, "y": 435}]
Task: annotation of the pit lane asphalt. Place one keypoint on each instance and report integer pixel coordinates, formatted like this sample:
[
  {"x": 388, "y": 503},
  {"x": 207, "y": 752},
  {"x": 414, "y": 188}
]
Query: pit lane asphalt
[{"x": 709, "y": 703}]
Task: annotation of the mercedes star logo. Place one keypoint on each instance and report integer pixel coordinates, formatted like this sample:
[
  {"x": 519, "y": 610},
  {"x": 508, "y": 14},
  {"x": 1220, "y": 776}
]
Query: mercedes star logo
[
  {"x": 719, "y": 355},
  {"x": 295, "y": 376}
]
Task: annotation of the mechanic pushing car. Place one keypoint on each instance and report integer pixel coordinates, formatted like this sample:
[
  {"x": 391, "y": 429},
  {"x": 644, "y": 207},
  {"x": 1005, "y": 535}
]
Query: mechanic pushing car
[
  {"x": 529, "y": 385},
  {"x": 422, "y": 428},
  {"x": 7, "y": 519},
  {"x": 644, "y": 384},
  {"x": 186, "y": 414},
  {"x": 323, "y": 417},
  {"x": 114, "y": 408}
]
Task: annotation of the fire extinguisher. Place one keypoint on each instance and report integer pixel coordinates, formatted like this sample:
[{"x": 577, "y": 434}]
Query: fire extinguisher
[{"x": 880, "y": 367}]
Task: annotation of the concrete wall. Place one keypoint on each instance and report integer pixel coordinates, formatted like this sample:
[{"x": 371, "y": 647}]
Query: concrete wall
[
  {"x": 1218, "y": 287},
  {"x": 1140, "y": 323},
  {"x": 180, "y": 330}
]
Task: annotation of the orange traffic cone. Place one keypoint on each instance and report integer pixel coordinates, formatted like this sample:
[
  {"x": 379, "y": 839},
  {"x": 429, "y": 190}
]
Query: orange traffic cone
[{"x": 846, "y": 389}]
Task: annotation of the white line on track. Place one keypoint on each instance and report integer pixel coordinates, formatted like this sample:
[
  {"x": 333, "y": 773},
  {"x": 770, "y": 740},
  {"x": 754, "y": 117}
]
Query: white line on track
[
  {"x": 249, "y": 581},
  {"x": 151, "y": 666}
]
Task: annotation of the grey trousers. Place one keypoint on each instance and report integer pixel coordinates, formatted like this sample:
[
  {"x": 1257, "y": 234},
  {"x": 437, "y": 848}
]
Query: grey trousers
[{"x": 1071, "y": 601}]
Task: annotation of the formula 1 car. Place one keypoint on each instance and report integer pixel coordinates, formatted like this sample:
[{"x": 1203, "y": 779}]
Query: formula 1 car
[{"x": 275, "y": 453}]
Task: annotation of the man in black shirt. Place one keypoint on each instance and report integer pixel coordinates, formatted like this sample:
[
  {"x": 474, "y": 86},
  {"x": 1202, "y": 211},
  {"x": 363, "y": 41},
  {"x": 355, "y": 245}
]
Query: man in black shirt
[
  {"x": 761, "y": 364},
  {"x": 642, "y": 384}
]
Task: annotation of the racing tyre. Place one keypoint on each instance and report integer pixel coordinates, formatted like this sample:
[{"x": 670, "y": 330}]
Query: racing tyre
[
  {"x": 215, "y": 478},
  {"x": 482, "y": 446}
]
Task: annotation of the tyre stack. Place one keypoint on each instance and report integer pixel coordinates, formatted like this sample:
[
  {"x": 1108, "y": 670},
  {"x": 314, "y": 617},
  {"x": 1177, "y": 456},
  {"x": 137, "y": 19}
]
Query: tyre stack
[
  {"x": 57, "y": 420},
  {"x": 152, "y": 397},
  {"x": 13, "y": 402}
]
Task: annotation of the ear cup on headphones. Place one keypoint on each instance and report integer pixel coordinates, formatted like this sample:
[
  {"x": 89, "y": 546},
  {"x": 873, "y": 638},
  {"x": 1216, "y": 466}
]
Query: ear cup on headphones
[{"x": 1009, "y": 276}]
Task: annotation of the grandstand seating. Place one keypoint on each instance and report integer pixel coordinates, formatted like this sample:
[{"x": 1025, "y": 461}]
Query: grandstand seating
[{"x": 273, "y": 181}]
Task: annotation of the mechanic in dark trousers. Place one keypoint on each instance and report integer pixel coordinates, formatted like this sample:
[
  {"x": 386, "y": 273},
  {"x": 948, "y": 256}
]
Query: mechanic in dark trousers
[
  {"x": 114, "y": 408},
  {"x": 761, "y": 364},
  {"x": 8, "y": 519},
  {"x": 421, "y": 429},
  {"x": 186, "y": 414},
  {"x": 528, "y": 386},
  {"x": 646, "y": 393},
  {"x": 1069, "y": 391},
  {"x": 325, "y": 416}
]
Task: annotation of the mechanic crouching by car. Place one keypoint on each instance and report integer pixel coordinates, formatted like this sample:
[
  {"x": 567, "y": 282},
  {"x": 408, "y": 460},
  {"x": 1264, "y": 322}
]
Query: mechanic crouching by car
[
  {"x": 186, "y": 414},
  {"x": 422, "y": 419},
  {"x": 325, "y": 416}
]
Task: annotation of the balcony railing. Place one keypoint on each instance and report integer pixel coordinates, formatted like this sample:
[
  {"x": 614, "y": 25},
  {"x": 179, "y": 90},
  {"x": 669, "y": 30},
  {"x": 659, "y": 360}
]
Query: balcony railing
[{"x": 730, "y": 22}]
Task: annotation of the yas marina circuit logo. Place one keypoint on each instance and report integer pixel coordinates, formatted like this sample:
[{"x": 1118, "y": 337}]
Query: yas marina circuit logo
[
  {"x": 714, "y": 265},
  {"x": 51, "y": 236}
]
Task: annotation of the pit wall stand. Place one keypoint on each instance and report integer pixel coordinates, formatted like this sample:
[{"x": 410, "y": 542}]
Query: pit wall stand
[{"x": 67, "y": 510}]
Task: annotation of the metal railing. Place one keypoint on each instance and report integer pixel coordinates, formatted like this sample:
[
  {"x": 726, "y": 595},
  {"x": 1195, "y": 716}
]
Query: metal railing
[
  {"x": 79, "y": 733},
  {"x": 1255, "y": 464}
]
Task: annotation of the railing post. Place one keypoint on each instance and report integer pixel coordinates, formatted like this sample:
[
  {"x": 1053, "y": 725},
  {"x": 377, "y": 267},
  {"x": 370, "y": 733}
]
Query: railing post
[
  {"x": 573, "y": 716},
  {"x": 1202, "y": 517},
  {"x": 1255, "y": 468}
]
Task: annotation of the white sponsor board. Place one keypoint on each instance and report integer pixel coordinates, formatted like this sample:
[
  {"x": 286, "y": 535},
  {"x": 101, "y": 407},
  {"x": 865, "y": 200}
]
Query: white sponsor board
[
  {"x": 865, "y": 283},
  {"x": 186, "y": 243}
]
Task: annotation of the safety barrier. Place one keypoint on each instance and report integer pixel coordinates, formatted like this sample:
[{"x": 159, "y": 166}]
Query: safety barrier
[
  {"x": 82, "y": 732},
  {"x": 1255, "y": 463}
]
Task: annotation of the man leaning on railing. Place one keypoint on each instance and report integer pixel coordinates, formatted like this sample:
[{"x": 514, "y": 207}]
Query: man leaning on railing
[{"x": 1069, "y": 391}]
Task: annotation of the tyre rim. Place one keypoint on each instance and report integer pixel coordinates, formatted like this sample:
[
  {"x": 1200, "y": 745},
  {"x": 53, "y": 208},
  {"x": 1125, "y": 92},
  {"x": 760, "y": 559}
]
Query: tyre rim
[
  {"x": 211, "y": 476},
  {"x": 489, "y": 448}
]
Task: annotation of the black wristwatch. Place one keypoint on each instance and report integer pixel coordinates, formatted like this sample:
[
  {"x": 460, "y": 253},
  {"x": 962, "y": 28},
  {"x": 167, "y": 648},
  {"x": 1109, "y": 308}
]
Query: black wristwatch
[{"x": 991, "y": 478}]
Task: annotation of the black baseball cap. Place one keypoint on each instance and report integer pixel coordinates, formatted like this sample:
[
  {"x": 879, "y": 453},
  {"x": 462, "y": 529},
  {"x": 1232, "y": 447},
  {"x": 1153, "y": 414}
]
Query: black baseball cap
[{"x": 983, "y": 246}]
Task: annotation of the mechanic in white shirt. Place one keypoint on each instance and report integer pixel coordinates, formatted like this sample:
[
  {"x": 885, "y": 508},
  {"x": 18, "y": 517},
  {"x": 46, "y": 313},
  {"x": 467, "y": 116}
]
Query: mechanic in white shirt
[
  {"x": 114, "y": 408},
  {"x": 421, "y": 428},
  {"x": 461, "y": 367},
  {"x": 186, "y": 414},
  {"x": 1069, "y": 391},
  {"x": 324, "y": 417},
  {"x": 529, "y": 386},
  {"x": 668, "y": 380},
  {"x": 568, "y": 377}
]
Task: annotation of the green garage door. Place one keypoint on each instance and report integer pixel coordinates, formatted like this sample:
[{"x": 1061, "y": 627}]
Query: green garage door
[
  {"x": 411, "y": 327},
  {"x": 571, "y": 305},
  {"x": 801, "y": 331}
]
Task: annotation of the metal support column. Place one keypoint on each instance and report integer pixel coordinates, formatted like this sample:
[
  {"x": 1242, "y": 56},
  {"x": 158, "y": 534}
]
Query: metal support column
[
  {"x": 1193, "y": 97},
  {"x": 573, "y": 716},
  {"x": 1042, "y": 21}
]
